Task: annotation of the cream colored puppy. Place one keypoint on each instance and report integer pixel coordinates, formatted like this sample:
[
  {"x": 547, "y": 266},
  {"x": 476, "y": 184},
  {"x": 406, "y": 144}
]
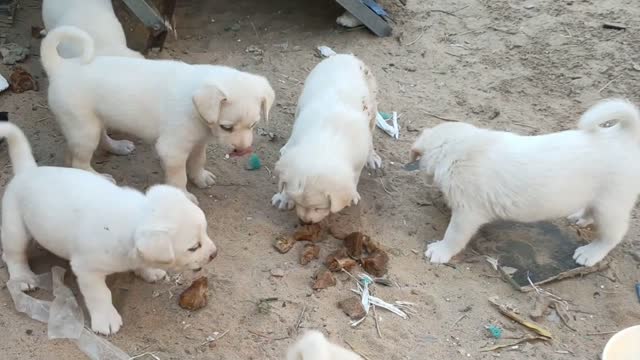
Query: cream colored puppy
[
  {"x": 331, "y": 140},
  {"x": 314, "y": 346},
  {"x": 592, "y": 172},
  {"x": 98, "y": 19},
  {"x": 178, "y": 106},
  {"x": 99, "y": 227}
]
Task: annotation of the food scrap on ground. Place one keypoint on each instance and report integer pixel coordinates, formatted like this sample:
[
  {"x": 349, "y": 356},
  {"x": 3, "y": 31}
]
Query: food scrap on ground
[
  {"x": 353, "y": 308},
  {"x": 324, "y": 279},
  {"x": 21, "y": 81},
  {"x": 309, "y": 253},
  {"x": 195, "y": 296}
]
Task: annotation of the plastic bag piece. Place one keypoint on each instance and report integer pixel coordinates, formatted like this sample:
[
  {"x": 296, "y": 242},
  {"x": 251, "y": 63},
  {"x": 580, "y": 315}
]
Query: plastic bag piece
[
  {"x": 64, "y": 316},
  {"x": 34, "y": 308},
  {"x": 66, "y": 319}
]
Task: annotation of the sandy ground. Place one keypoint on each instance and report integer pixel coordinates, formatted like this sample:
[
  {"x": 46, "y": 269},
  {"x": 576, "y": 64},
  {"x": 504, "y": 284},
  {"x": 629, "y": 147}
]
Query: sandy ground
[{"x": 526, "y": 66}]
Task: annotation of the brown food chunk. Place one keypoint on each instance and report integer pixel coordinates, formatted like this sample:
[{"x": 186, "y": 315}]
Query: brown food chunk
[
  {"x": 337, "y": 264},
  {"x": 311, "y": 233},
  {"x": 376, "y": 264},
  {"x": 284, "y": 243},
  {"x": 21, "y": 81},
  {"x": 324, "y": 279},
  {"x": 310, "y": 252},
  {"x": 353, "y": 308},
  {"x": 355, "y": 243},
  {"x": 195, "y": 296}
]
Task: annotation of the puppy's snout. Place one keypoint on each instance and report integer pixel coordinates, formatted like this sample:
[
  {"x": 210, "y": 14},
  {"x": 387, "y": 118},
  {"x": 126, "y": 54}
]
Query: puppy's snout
[{"x": 213, "y": 255}]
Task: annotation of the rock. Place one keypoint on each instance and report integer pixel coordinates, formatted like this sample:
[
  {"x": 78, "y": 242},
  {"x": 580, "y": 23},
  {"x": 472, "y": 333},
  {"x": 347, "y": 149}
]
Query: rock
[
  {"x": 13, "y": 53},
  {"x": 353, "y": 308},
  {"x": 324, "y": 279},
  {"x": 277, "y": 272},
  {"x": 21, "y": 81},
  {"x": 195, "y": 296},
  {"x": 310, "y": 252},
  {"x": 376, "y": 264}
]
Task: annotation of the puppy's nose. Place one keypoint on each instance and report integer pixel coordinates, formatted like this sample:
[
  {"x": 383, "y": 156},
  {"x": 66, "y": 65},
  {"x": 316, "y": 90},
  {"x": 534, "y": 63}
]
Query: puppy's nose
[
  {"x": 305, "y": 222},
  {"x": 213, "y": 255}
]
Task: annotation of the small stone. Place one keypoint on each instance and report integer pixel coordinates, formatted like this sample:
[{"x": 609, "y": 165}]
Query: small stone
[
  {"x": 277, "y": 272},
  {"x": 376, "y": 264},
  {"x": 353, "y": 308},
  {"x": 29, "y": 332}
]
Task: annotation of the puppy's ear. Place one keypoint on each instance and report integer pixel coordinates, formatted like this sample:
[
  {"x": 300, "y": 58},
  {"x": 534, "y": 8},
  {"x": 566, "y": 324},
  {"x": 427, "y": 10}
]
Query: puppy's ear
[
  {"x": 415, "y": 154},
  {"x": 417, "y": 149},
  {"x": 208, "y": 100},
  {"x": 268, "y": 98},
  {"x": 154, "y": 245},
  {"x": 340, "y": 200}
]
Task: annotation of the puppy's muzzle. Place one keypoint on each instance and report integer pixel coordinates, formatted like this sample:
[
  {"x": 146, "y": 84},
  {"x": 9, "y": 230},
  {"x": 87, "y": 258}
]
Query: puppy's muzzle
[{"x": 213, "y": 255}]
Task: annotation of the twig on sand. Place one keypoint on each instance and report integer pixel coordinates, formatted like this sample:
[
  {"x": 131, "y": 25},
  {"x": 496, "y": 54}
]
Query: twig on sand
[{"x": 440, "y": 117}]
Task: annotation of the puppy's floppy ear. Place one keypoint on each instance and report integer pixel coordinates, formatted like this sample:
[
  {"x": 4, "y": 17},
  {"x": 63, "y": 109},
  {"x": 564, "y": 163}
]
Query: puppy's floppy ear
[
  {"x": 342, "y": 199},
  {"x": 154, "y": 245},
  {"x": 417, "y": 149},
  {"x": 268, "y": 98},
  {"x": 208, "y": 100}
]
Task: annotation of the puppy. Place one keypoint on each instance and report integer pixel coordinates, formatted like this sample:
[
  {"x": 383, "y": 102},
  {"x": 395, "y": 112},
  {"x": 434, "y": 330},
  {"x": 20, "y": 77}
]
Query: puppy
[
  {"x": 331, "y": 140},
  {"x": 178, "y": 106},
  {"x": 98, "y": 19},
  {"x": 314, "y": 346},
  {"x": 486, "y": 175},
  {"x": 99, "y": 227}
]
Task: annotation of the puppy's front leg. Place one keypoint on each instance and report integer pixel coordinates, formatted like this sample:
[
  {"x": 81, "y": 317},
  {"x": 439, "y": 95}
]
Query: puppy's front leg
[
  {"x": 195, "y": 167},
  {"x": 174, "y": 160},
  {"x": 463, "y": 225},
  {"x": 374, "y": 161},
  {"x": 282, "y": 201},
  {"x": 151, "y": 275},
  {"x": 104, "y": 317}
]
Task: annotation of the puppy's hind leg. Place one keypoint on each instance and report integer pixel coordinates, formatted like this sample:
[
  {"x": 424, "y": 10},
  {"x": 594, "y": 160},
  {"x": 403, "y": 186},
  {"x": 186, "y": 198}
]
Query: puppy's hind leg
[
  {"x": 463, "y": 225},
  {"x": 15, "y": 242},
  {"x": 612, "y": 221},
  {"x": 83, "y": 137},
  {"x": 105, "y": 319},
  {"x": 116, "y": 147}
]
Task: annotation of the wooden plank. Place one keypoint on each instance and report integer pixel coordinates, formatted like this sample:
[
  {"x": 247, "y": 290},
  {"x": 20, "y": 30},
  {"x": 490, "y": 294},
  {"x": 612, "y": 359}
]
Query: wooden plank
[{"x": 369, "y": 18}]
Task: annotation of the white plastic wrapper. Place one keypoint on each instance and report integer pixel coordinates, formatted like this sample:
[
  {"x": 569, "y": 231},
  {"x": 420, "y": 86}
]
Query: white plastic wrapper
[{"x": 63, "y": 315}]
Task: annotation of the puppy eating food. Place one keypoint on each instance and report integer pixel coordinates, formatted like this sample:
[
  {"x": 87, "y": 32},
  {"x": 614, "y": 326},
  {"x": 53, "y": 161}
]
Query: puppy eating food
[
  {"x": 592, "y": 172},
  {"x": 331, "y": 140},
  {"x": 178, "y": 106},
  {"x": 99, "y": 227}
]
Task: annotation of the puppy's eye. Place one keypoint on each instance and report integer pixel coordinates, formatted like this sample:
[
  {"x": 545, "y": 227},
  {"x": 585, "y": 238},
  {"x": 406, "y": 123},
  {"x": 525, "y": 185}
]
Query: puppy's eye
[
  {"x": 195, "y": 247},
  {"x": 227, "y": 128}
]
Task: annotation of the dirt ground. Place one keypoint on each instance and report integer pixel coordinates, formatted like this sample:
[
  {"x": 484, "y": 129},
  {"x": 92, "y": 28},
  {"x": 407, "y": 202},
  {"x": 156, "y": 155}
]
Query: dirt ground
[{"x": 527, "y": 66}]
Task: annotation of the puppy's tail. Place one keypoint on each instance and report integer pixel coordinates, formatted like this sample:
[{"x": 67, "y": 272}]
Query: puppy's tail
[
  {"x": 51, "y": 59},
  {"x": 19, "y": 148},
  {"x": 625, "y": 113}
]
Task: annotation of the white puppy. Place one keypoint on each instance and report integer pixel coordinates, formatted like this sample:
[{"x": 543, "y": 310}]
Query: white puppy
[
  {"x": 314, "y": 346},
  {"x": 178, "y": 106},
  {"x": 331, "y": 140},
  {"x": 99, "y": 227},
  {"x": 488, "y": 175},
  {"x": 98, "y": 19}
]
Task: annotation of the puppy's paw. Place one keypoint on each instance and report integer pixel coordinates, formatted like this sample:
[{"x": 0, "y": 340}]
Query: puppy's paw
[
  {"x": 439, "y": 252},
  {"x": 191, "y": 197},
  {"x": 581, "y": 219},
  {"x": 374, "y": 162},
  {"x": 107, "y": 321},
  {"x": 590, "y": 255},
  {"x": 151, "y": 275},
  {"x": 121, "y": 147},
  {"x": 204, "y": 179},
  {"x": 27, "y": 281},
  {"x": 282, "y": 201}
]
